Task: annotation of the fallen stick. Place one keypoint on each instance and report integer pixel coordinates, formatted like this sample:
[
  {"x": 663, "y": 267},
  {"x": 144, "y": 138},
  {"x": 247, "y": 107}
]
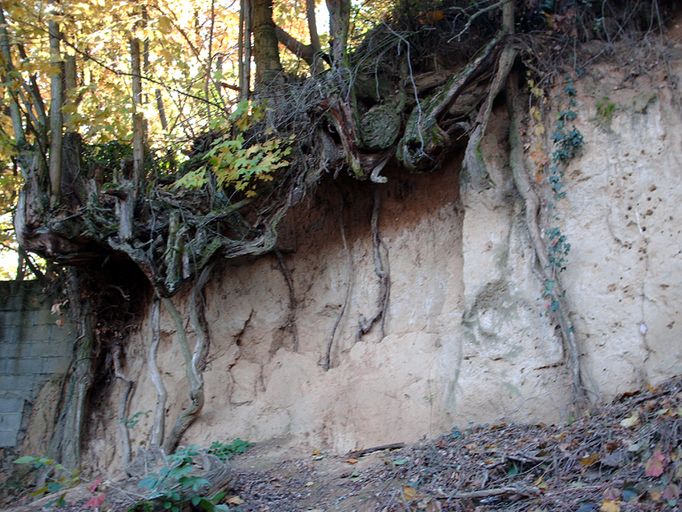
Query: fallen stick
[
  {"x": 499, "y": 491},
  {"x": 365, "y": 451}
]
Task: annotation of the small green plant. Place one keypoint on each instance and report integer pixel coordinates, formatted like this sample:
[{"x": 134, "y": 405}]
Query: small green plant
[
  {"x": 133, "y": 420},
  {"x": 225, "y": 451},
  {"x": 177, "y": 485},
  {"x": 56, "y": 476},
  {"x": 605, "y": 110},
  {"x": 238, "y": 161}
]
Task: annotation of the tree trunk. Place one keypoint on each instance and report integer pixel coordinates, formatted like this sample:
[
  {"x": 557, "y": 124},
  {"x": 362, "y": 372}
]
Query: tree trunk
[
  {"x": 339, "y": 22},
  {"x": 56, "y": 121},
  {"x": 265, "y": 45}
]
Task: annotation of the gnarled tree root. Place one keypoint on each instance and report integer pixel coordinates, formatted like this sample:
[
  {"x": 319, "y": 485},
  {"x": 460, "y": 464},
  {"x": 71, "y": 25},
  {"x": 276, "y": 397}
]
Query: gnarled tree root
[
  {"x": 532, "y": 206},
  {"x": 327, "y": 361},
  {"x": 159, "y": 422},
  {"x": 123, "y": 433},
  {"x": 195, "y": 360},
  {"x": 381, "y": 269}
]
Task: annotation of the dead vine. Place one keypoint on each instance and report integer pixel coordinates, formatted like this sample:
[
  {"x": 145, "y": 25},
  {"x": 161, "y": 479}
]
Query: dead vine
[
  {"x": 291, "y": 316},
  {"x": 327, "y": 361},
  {"x": 123, "y": 432},
  {"x": 158, "y": 426},
  {"x": 381, "y": 269}
]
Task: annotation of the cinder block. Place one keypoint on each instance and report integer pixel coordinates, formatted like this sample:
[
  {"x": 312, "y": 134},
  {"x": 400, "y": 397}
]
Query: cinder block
[
  {"x": 8, "y": 350},
  {"x": 52, "y": 365},
  {"x": 11, "y": 405},
  {"x": 10, "y": 420},
  {"x": 8, "y": 438},
  {"x": 21, "y": 385},
  {"x": 48, "y": 349}
]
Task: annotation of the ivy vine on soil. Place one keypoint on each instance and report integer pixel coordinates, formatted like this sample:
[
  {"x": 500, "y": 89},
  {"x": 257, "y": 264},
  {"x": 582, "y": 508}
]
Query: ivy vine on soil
[{"x": 567, "y": 143}]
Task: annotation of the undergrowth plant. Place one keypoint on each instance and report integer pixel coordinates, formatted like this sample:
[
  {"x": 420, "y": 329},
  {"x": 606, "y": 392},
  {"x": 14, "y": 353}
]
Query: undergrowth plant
[
  {"x": 180, "y": 482},
  {"x": 52, "y": 475},
  {"x": 225, "y": 451},
  {"x": 237, "y": 161}
]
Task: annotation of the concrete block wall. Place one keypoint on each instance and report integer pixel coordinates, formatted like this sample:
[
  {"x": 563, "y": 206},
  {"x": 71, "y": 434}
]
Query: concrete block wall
[{"x": 34, "y": 347}]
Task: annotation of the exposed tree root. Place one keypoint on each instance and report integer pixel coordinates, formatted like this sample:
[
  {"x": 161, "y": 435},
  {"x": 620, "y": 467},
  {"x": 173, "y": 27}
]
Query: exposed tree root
[
  {"x": 123, "y": 433},
  {"x": 327, "y": 361},
  {"x": 381, "y": 270},
  {"x": 195, "y": 360},
  {"x": 532, "y": 206},
  {"x": 66, "y": 442},
  {"x": 423, "y": 139},
  {"x": 473, "y": 165},
  {"x": 159, "y": 423},
  {"x": 291, "y": 317}
]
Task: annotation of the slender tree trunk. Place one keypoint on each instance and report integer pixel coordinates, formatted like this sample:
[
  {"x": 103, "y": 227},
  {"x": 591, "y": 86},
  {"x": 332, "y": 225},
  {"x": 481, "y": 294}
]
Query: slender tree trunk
[
  {"x": 245, "y": 56},
  {"x": 56, "y": 121},
  {"x": 131, "y": 183},
  {"x": 71, "y": 152},
  {"x": 312, "y": 26},
  {"x": 138, "y": 118},
  {"x": 339, "y": 22},
  {"x": 265, "y": 45}
]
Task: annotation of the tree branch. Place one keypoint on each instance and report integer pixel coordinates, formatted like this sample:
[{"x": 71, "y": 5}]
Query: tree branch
[{"x": 303, "y": 51}]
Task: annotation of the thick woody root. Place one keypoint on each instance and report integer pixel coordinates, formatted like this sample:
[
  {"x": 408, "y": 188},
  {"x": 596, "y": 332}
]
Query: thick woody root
[{"x": 532, "y": 206}]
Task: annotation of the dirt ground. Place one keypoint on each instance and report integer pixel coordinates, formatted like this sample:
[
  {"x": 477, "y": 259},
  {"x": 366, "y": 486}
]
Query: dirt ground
[{"x": 626, "y": 456}]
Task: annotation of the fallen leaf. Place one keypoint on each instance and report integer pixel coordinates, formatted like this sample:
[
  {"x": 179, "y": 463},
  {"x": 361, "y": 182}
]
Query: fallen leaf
[
  {"x": 351, "y": 461},
  {"x": 316, "y": 452},
  {"x": 540, "y": 484},
  {"x": 410, "y": 493},
  {"x": 589, "y": 460},
  {"x": 234, "y": 500},
  {"x": 671, "y": 493},
  {"x": 587, "y": 507},
  {"x": 610, "y": 506},
  {"x": 630, "y": 495},
  {"x": 655, "y": 465},
  {"x": 614, "y": 460},
  {"x": 95, "y": 501},
  {"x": 94, "y": 485},
  {"x": 631, "y": 420}
]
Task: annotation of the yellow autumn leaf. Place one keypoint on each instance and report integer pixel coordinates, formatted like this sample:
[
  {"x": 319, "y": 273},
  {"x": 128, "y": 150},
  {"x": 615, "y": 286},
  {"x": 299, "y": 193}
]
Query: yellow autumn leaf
[
  {"x": 234, "y": 500},
  {"x": 164, "y": 25},
  {"x": 409, "y": 493},
  {"x": 631, "y": 420},
  {"x": 589, "y": 460},
  {"x": 610, "y": 506}
]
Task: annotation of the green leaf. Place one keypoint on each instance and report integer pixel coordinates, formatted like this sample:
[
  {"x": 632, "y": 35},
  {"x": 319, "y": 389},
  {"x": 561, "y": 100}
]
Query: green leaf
[
  {"x": 54, "y": 487},
  {"x": 26, "y": 459}
]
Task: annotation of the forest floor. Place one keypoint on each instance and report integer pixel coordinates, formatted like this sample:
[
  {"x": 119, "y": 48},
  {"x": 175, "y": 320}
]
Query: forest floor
[{"x": 625, "y": 456}]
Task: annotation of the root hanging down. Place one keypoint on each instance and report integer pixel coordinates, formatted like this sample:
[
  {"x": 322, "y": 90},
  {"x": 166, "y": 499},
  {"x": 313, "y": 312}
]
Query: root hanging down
[
  {"x": 123, "y": 433},
  {"x": 532, "y": 206},
  {"x": 327, "y": 361},
  {"x": 291, "y": 317},
  {"x": 381, "y": 269},
  {"x": 194, "y": 360},
  {"x": 159, "y": 423}
]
